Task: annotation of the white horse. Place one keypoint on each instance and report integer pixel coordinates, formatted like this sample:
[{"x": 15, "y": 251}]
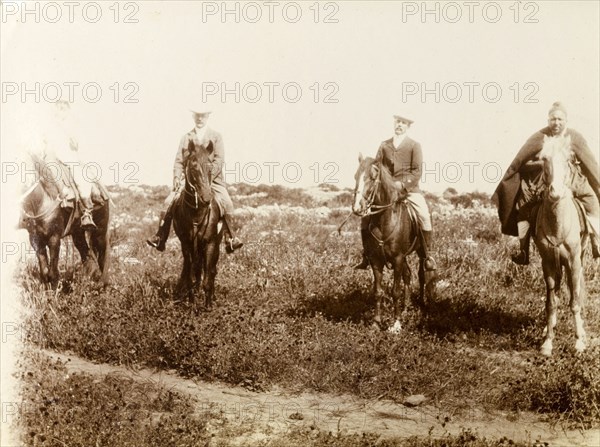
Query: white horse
[{"x": 559, "y": 237}]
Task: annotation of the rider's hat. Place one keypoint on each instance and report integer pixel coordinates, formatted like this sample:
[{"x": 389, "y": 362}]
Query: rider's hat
[
  {"x": 201, "y": 107},
  {"x": 558, "y": 106},
  {"x": 403, "y": 118}
]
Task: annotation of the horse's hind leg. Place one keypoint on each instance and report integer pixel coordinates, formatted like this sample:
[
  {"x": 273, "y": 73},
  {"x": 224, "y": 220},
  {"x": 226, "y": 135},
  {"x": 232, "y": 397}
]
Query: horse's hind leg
[
  {"x": 89, "y": 267},
  {"x": 426, "y": 283},
  {"x": 577, "y": 291},
  {"x": 42, "y": 255},
  {"x": 100, "y": 246}
]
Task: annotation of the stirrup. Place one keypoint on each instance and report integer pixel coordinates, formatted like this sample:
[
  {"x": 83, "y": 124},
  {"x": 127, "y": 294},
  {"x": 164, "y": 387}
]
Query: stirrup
[
  {"x": 232, "y": 245},
  {"x": 521, "y": 258},
  {"x": 87, "y": 223},
  {"x": 595, "y": 250},
  {"x": 429, "y": 264},
  {"x": 362, "y": 265},
  {"x": 156, "y": 242}
]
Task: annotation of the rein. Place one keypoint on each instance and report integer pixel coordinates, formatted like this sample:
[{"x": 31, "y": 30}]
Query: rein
[
  {"x": 43, "y": 214},
  {"x": 373, "y": 209},
  {"x": 197, "y": 204}
]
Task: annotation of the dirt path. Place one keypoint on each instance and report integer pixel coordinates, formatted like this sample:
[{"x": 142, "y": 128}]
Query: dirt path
[{"x": 275, "y": 412}]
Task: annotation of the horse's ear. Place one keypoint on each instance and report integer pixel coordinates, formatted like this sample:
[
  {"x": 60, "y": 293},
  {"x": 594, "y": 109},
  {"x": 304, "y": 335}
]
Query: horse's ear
[{"x": 360, "y": 157}]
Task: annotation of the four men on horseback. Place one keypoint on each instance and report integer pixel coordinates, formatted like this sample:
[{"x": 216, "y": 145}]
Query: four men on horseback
[
  {"x": 404, "y": 158},
  {"x": 521, "y": 187},
  {"x": 206, "y": 139}
]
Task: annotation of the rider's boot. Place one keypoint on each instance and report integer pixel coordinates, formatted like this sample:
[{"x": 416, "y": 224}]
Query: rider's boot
[
  {"x": 429, "y": 263},
  {"x": 87, "y": 222},
  {"x": 159, "y": 240},
  {"x": 232, "y": 243},
  {"x": 522, "y": 258},
  {"x": 364, "y": 263},
  {"x": 595, "y": 245}
]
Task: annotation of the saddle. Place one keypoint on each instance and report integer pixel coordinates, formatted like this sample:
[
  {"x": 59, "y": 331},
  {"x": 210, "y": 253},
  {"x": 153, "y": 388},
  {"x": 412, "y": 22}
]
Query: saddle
[
  {"x": 583, "y": 222},
  {"x": 412, "y": 215},
  {"x": 69, "y": 194}
]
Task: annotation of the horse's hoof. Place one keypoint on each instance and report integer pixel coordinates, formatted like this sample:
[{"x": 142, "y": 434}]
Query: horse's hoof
[
  {"x": 396, "y": 328},
  {"x": 546, "y": 350},
  {"x": 579, "y": 346}
]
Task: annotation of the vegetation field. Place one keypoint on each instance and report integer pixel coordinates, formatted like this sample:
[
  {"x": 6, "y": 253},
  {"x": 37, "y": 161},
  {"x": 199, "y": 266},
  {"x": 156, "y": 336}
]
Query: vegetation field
[{"x": 290, "y": 312}]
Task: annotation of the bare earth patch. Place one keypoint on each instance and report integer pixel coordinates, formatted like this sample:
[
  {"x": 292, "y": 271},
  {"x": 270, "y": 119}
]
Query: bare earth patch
[{"x": 264, "y": 414}]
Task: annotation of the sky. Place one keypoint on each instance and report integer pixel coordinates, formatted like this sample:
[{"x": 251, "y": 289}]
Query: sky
[{"x": 298, "y": 89}]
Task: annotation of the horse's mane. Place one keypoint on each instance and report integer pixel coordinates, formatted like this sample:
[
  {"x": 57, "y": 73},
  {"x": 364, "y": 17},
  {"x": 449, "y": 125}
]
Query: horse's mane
[
  {"x": 196, "y": 161},
  {"x": 48, "y": 174},
  {"x": 557, "y": 145},
  {"x": 386, "y": 179}
]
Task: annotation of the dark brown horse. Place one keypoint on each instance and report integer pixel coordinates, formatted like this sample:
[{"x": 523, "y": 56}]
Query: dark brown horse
[
  {"x": 559, "y": 237},
  {"x": 195, "y": 219},
  {"x": 393, "y": 236},
  {"x": 48, "y": 221}
]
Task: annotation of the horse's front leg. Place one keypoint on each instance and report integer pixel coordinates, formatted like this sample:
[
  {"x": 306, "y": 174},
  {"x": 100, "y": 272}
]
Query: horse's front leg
[
  {"x": 210, "y": 272},
  {"x": 377, "y": 293},
  {"x": 196, "y": 273},
  {"x": 400, "y": 290},
  {"x": 54, "y": 249},
  {"x": 552, "y": 283},
  {"x": 576, "y": 283},
  {"x": 184, "y": 285}
]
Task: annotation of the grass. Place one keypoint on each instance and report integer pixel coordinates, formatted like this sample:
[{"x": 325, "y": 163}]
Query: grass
[
  {"x": 290, "y": 312},
  {"x": 61, "y": 408}
]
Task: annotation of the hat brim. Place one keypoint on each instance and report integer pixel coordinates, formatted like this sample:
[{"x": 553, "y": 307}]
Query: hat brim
[
  {"x": 403, "y": 118},
  {"x": 200, "y": 111}
]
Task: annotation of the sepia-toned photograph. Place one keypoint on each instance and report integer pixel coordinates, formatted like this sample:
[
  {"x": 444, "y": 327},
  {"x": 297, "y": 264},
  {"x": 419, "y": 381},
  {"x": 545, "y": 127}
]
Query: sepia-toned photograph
[{"x": 300, "y": 223}]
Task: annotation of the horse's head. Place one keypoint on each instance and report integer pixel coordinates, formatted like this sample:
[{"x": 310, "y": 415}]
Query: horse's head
[
  {"x": 198, "y": 175},
  {"x": 557, "y": 157},
  {"x": 367, "y": 179}
]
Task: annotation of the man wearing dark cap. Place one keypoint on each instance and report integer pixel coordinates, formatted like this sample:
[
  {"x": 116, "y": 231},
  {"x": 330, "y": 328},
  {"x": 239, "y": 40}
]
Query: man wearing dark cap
[
  {"x": 521, "y": 187},
  {"x": 207, "y": 139},
  {"x": 403, "y": 157}
]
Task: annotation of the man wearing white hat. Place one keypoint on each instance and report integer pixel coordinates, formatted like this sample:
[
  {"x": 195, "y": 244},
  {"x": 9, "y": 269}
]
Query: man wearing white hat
[
  {"x": 203, "y": 138},
  {"x": 60, "y": 144},
  {"x": 404, "y": 158},
  {"x": 521, "y": 186}
]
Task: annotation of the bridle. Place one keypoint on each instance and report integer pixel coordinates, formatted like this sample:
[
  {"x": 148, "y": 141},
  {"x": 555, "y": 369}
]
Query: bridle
[
  {"x": 370, "y": 209},
  {"x": 197, "y": 201}
]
